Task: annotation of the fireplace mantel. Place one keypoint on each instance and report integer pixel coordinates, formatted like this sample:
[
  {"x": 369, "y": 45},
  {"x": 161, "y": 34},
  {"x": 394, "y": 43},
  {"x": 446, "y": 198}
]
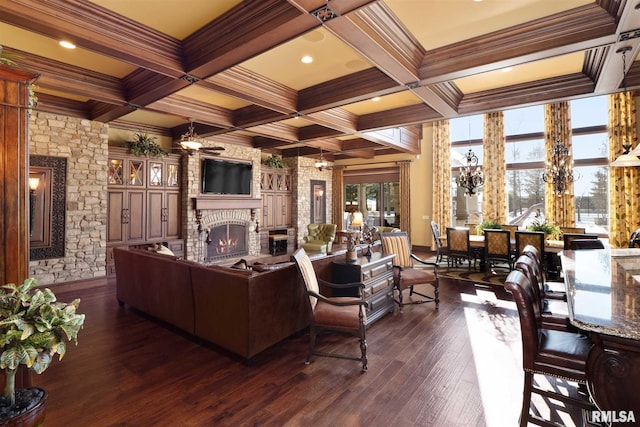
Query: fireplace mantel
[{"x": 220, "y": 202}]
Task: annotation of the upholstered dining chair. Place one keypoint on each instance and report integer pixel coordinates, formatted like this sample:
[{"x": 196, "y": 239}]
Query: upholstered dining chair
[
  {"x": 548, "y": 352},
  {"x": 572, "y": 230},
  {"x": 569, "y": 237},
  {"x": 579, "y": 244},
  {"x": 497, "y": 248},
  {"x": 459, "y": 247},
  {"x": 533, "y": 238},
  {"x": 634, "y": 239},
  {"x": 512, "y": 229},
  {"x": 409, "y": 269},
  {"x": 549, "y": 290},
  {"x": 441, "y": 249},
  {"x": 345, "y": 315}
]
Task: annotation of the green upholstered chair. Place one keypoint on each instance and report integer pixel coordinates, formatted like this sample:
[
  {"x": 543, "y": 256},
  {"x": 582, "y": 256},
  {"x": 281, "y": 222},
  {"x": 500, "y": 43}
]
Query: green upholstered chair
[{"x": 319, "y": 237}]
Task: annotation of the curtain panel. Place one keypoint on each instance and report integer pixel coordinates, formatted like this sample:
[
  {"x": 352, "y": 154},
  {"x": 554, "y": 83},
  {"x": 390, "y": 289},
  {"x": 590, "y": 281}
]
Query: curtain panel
[
  {"x": 623, "y": 181},
  {"x": 337, "y": 194},
  {"x": 441, "y": 175},
  {"x": 405, "y": 196},
  {"x": 560, "y": 209},
  {"x": 494, "y": 197}
]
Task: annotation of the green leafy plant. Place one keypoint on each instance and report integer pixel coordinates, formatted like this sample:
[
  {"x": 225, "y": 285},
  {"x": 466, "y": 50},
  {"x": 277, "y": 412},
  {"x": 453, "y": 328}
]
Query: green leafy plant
[
  {"x": 33, "y": 327},
  {"x": 274, "y": 161},
  {"x": 489, "y": 224},
  {"x": 144, "y": 145},
  {"x": 550, "y": 231}
]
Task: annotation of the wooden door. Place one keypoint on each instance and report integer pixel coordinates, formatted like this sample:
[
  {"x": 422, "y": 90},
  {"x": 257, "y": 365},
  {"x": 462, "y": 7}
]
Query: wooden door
[
  {"x": 155, "y": 218},
  {"x": 268, "y": 210},
  {"x": 172, "y": 215},
  {"x": 115, "y": 218},
  {"x": 135, "y": 213}
]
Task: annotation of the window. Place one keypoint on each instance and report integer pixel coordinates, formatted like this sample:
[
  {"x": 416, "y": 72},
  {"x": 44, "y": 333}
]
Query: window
[
  {"x": 375, "y": 193},
  {"x": 525, "y": 158}
]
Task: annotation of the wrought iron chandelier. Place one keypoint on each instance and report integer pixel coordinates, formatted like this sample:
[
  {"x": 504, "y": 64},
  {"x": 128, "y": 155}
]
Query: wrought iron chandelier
[
  {"x": 628, "y": 157},
  {"x": 470, "y": 175},
  {"x": 559, "y": 170}
]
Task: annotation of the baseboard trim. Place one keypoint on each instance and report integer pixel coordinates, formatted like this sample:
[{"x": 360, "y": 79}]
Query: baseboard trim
[{"x": 77, "y": 285}]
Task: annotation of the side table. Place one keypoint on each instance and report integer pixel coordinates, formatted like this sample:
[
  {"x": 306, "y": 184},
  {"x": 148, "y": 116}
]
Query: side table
[{"x": 376, "y": 272}]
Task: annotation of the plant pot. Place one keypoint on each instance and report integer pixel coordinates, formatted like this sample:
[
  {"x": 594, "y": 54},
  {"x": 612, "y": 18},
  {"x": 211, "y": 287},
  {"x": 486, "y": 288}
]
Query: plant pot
[{"x": 30, "y": 408}]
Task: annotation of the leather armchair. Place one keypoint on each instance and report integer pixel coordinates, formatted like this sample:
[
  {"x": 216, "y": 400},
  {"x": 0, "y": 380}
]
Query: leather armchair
[{"x": 319, "y": 237}]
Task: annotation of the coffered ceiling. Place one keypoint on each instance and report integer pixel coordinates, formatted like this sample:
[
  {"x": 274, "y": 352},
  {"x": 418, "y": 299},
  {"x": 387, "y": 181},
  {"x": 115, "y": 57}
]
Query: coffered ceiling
[{"x": 234, "y": 67}]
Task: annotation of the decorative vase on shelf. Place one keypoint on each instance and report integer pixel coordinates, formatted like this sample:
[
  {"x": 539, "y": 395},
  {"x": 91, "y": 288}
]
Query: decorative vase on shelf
[{"x": 352, "y": 255}]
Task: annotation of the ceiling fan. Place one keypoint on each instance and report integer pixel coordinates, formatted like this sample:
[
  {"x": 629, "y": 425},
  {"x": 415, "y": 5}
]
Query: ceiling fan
[{"x": 190, "y": 143}]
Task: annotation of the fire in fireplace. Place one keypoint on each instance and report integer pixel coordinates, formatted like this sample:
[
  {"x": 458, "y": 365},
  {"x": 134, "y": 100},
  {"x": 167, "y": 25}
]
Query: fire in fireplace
[{"x": 227, "y": 241}]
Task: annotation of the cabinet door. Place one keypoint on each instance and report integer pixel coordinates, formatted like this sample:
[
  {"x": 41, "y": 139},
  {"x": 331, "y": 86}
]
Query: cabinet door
[
  {"x": 172, "y": 215},
  {"x": 268, "y": 212},
  {"x": 280, "y": 210},
  {"x": 156, "y": 174},
  {"x": 117, "y": 217},
  {"x": 155, "y": 223},
  {"x": 172, "y": 174},
  {"x": 136, "y": 214},
  {"x": 286, "y": 203}
]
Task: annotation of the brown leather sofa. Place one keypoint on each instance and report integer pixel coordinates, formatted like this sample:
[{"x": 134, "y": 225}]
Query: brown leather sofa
[{"x": 242, "y": 311}]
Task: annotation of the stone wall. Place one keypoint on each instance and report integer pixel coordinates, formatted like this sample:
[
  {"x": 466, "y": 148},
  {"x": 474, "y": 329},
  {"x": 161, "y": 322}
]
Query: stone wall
[
  {"x": 304, "y": 171},
  {"x": 84, "y": 144},
  {"x": 191, "y": 176}
]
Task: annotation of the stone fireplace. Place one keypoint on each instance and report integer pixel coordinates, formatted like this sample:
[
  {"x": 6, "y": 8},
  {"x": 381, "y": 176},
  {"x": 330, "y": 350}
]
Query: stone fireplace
[
  {"x": 225, "y": 241},
  {"x": 224, "y": 234}
]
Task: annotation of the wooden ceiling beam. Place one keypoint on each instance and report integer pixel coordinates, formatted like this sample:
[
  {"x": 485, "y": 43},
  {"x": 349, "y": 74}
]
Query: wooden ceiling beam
[
  {"x": 571, "y": 31},
  {"x": 193, "y": 110},
  {"x": 97, "y": 29}
]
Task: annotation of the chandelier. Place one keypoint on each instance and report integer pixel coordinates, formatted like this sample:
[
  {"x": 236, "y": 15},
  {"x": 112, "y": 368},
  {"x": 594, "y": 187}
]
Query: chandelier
[
  {"x": 189, "y": 141},
  {"x": 628, "y": 157},
  {"x": 559, "y": 169},
  {"x": 470, "y": 175}
]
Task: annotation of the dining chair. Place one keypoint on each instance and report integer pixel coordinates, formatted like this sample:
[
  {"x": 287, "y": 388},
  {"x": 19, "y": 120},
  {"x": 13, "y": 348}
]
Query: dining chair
[
  {"x": 573, "y": 230},
  {"x": 569, "y": 237},
  {"x": 549, "y": 290},
  {"x": 405, "y": 276},
  {"x": 634, "y": 239},
  {"x": 533, "y": 238},
  {"x": 497, "y": 248},
  {"x": 512, "y": 230},
  {"x": 555, "y": 353},
  {"x": 472, "y": 227},
  {"x": 578, "y": 244},
  {"x": 551, "y": 320},
  {"x": 344, "y": 315},
  {"x": 441, "y": 249},
  {"x": 459, "y": 247}
]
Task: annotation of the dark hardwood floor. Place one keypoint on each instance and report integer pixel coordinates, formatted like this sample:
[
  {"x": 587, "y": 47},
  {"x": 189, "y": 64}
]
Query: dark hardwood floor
[{"x": 459, "y": 366}]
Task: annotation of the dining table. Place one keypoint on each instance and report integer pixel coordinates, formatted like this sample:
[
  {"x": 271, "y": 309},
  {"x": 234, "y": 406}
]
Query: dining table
[{"x": 603, "y": 299}]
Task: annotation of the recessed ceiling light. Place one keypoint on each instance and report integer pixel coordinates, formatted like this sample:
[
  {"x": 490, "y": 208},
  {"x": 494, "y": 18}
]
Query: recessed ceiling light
[
  {"x": 306, "y": 59},
  {"x": 506, "y": 69},
  {"x": 376, "y": 99},
  {"x": 67, "y": 44}
]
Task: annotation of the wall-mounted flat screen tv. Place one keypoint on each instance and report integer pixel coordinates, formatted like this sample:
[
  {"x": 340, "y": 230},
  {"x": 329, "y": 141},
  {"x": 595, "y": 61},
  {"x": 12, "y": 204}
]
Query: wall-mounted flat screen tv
[{"x": 226, "y": 177}]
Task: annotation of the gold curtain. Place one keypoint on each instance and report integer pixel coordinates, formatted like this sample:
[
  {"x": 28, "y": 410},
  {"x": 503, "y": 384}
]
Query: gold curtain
[
  {"x": 560, "y": 209},
  {"x": 405, "y": 196},
  {"x": 337, "y": 198},
  {"x": 441, "y": 175},
  {"x": 494, "y": 197},
  {"x": 624, "y": 185}
]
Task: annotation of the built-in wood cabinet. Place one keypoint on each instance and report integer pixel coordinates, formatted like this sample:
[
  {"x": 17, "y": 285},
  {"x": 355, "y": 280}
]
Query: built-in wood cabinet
[
  {"x": 275, "y": 189},
  {"x": 144, "y": 202}
]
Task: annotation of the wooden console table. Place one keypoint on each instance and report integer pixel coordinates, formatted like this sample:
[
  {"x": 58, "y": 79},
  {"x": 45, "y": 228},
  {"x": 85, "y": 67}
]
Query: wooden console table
[{"x": 376, "y": 272}]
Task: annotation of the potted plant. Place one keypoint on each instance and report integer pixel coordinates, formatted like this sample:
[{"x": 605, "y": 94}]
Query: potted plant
[
  {"x": 274, "y": 161},
  {"x": 551, "y": 231},
  {"x": 489, "y": 224},
  {"x": 144, "y": 145},
  {"x": 33, "y": 327}
]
